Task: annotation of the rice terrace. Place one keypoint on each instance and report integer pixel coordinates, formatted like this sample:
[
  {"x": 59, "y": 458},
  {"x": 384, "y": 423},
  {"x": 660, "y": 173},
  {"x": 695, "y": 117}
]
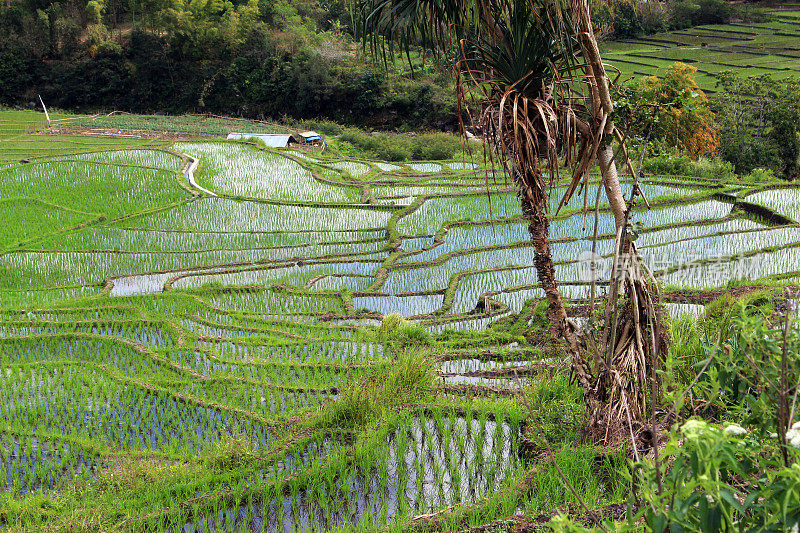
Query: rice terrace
[
  {"x": 767, "y": 48},
  {"x": 204, "y": 334}
]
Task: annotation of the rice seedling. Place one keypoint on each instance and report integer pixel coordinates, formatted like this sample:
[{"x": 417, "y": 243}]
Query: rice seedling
[
  {"x": 90, "y": 187},
  {"x": 783, "y": 201},
  {"x": 425, "y": 167},
  {"x": 458, "y": 165},
  {"x": 231, "y": 352},
  {"x": 245, "y": 171},
  {"x": 435, "y": 212},
  {"x": 351, "y": 167},
  {"x": 225, "y": 215}
]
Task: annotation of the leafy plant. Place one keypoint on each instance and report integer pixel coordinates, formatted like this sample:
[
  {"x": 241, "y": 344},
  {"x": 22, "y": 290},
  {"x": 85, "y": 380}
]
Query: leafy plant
[{"x": 718, "y": 479}]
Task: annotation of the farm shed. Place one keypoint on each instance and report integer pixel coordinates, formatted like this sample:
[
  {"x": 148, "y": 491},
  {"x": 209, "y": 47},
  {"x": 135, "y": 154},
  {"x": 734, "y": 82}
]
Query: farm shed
[
  {"x": 309, "y": 137},
  {"x": 270, "y": 139}
]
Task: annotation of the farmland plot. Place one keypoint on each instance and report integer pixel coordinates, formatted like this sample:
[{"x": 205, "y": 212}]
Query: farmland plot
[
  {"x": 142, "y": 319},
  {"x": 749, "y": 49}
]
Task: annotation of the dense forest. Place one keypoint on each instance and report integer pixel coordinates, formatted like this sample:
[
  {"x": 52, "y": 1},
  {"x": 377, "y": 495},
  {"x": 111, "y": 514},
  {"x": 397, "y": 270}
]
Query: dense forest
[
  {"x": 256, "y": 59},
  {"x": 259, "y": 58}
]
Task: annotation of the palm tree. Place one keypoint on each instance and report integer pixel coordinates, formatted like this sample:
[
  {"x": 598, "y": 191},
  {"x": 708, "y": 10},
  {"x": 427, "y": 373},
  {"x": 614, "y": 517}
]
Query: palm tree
[{"x": 522, "y": 60}]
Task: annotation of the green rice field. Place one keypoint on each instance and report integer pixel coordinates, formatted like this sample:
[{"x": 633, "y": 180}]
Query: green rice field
[
  {"x": 771, "y": 48},
  {"x": 198, "y": 355}
]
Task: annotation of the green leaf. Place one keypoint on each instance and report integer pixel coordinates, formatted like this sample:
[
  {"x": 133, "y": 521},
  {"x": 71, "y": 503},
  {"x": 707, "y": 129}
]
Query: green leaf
[
  {"x": 715, "y": 519},
  {"x": 657, "y": 523},
  {"x": 702, "y": 512},
  {"x": 748, "y": 501},
  {"x": 731, "y": 499}
]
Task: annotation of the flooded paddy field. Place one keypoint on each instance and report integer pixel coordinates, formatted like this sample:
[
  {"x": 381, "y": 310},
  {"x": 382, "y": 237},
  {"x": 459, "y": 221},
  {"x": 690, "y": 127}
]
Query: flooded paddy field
[{"x": 308, "y": 342}]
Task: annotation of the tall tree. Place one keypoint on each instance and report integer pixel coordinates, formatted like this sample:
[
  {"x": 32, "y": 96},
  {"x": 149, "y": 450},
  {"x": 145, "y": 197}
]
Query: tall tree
[{"x": 522, "y": 60}]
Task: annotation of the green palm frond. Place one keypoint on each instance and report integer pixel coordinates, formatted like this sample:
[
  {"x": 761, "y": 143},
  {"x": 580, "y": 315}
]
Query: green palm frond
[
  {"x": 409, "y": 23},
  {"x": 516, "y": 56},
  {"x": 520, "y": 46}
]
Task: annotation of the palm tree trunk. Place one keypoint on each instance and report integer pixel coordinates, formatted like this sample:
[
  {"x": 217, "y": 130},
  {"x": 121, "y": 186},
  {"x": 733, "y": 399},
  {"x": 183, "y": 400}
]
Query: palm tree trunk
[
  {"x": 617, "y": 395},
  {"x": 534, "y": 208},
  {"x": 608, "y": 170},
  {"x": 601, "y": 105}
]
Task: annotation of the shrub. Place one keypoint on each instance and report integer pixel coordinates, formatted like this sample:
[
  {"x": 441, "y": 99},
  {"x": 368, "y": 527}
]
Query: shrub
[
  {"x": 760, "y": 174},
  {"x": 739, "y": 475},
  {"x": 702, "y": 492},
  {"x": 399, "y": 147},
  {"x": 671, "y": 111},
  {"x": 676, "y": 164},
  {"x": 784, "y": 137},
  {"x": 688, "y": 13},
  {"x": 96, "y": 34},
  {"x": 435, "y": 146},
  {"x": 326, "y": 127},
  {"x": 627, "y": 20},
  {"x": 722, "y": 312},
  {"x": 94, "y": 12},
  {"x": 411, "y": 379},
  {"x": 654, "y": 18},
  {"x": 746, "y": 151},
  {"x": 393, "y": 152}
]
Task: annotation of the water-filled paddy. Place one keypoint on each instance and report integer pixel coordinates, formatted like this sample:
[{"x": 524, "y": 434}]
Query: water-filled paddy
[{"x": 164, "y": 323}]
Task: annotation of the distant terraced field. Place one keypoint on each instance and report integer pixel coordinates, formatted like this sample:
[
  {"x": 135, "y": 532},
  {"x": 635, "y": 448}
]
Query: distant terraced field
[{"x": 769, "y": 48}]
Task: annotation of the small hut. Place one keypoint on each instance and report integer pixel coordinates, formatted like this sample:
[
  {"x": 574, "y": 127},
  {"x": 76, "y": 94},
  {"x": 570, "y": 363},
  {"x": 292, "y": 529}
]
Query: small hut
[{"x": 309, "y": 137}]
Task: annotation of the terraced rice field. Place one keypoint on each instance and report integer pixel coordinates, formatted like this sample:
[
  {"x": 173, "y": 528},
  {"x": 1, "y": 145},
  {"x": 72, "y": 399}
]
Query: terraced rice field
[
  {"x": 143, "y": 318},
  {"x": 771, "y": 48}
]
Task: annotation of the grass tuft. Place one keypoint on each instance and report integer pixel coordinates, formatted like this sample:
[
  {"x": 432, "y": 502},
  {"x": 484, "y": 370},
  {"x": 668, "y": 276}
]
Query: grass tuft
[{"x": 410, "y": 379}]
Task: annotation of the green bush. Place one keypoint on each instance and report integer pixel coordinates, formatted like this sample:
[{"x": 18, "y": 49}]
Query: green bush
[
  {"x": 784, "y": 137},
  {"x": 326, "y": 127},
  {"x": 400, "y": 147},
  {"x": 722, "y": 312},
  {"x": 688, "y": 13},
  {"x": 94, "y": 12},
  {"x": 435, "y": 146},
  {"x": 760, "y": 174},
  {"x": 702, "y": 491},
  {"x": 412, "y": 378},
  {"x": 746, "y": 151},
  {"x": 738, "y": 475},
  {"x": 627, "y": 20},
  {"x": 676, "y": 164}
]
